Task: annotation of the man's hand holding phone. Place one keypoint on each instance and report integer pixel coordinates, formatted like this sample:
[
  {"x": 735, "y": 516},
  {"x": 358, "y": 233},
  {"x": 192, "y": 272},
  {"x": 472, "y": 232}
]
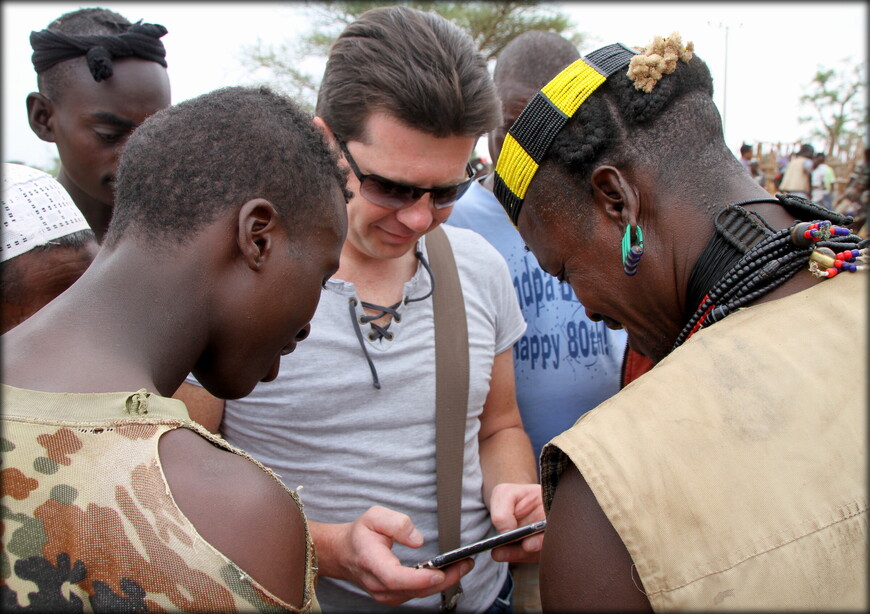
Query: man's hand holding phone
[
  {"x": 512, "y": 506},
  {"x": 448, "y": 558}
]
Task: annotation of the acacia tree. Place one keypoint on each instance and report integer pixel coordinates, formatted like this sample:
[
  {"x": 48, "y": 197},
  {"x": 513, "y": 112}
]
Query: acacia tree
[
  {"x": 492, "y": 25},
  {"x": 835, "y": 99}
]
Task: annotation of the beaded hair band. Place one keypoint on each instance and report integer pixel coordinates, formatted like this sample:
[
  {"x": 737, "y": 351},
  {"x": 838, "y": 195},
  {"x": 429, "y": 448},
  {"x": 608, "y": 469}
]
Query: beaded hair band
[{"x": 531, "y": 135}]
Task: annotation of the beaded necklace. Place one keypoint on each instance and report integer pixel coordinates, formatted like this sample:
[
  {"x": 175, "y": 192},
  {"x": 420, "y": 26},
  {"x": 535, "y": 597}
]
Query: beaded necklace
[
  {"x": 736, "y": 231},
  {"x": 775, "y": 257}
]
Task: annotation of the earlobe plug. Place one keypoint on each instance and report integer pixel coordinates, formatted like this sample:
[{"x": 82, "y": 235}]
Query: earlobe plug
[{"x": 632, "y": 249}]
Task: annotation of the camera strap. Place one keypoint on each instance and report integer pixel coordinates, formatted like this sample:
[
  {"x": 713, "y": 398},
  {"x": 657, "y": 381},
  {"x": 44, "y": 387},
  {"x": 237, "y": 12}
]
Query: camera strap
[{"x": 451, "y": 396}]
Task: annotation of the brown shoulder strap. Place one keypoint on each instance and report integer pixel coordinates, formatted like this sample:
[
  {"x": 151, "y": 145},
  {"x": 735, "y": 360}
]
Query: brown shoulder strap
[{"x": 451, "y": 395}]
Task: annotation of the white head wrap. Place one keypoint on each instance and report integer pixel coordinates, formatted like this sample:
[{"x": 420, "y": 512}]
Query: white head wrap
[{"x": 36, "y": 210}]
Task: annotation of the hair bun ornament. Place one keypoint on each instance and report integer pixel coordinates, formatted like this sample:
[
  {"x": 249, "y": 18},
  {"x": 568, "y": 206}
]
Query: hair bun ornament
[
  {"x": 658, "y": 59},
  {"x": 100, "y": 63}
]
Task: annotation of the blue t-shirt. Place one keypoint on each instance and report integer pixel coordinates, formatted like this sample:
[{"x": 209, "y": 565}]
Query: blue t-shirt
[{"x": 565, "y": 363}]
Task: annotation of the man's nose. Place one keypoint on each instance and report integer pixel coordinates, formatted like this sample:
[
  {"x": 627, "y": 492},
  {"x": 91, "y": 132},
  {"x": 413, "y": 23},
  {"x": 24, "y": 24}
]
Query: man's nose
[{"x": 417, "y": 217}]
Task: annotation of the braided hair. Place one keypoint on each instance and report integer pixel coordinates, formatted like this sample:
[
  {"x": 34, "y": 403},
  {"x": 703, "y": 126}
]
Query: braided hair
[
  {"x": 624, "y": 124},
  {"x": 661, "y": 109},
  {"x": 98, "y": 35}
]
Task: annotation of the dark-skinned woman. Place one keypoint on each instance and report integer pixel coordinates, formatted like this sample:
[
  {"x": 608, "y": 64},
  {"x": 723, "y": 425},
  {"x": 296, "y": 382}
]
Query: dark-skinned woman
[{"x": 732, "y": 475}]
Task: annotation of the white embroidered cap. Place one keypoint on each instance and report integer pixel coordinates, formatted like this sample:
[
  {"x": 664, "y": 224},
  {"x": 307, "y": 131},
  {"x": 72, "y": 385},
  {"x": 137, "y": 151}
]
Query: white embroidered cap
[{"x": 36, "y": 210}]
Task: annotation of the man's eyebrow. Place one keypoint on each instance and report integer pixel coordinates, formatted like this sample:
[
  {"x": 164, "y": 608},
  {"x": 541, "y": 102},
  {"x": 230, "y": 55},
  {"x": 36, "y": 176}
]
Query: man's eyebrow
[{"x": 111, "y": 118}]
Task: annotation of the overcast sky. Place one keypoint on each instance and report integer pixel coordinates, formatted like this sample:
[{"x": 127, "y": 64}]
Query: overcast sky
[{"x": 773, "y": 51}]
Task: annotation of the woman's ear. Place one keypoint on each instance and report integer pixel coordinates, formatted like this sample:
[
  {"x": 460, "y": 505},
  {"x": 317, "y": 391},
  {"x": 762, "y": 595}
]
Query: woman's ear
[
  {"x": 258, "y": 222},
  {"x": 615, "y": 194},
  {"x": 39, "y": 112}
]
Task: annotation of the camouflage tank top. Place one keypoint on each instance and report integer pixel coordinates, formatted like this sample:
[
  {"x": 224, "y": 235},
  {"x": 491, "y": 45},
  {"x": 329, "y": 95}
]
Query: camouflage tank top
[{"x": 88, "y": 522}]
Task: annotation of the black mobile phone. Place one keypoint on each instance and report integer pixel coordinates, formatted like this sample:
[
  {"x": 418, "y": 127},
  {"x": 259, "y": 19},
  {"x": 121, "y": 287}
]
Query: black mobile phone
[{"x": 463, "y": 552}]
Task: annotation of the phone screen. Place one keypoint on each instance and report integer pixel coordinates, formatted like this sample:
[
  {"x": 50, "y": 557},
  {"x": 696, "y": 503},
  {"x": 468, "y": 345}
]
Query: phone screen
[{"x": 463, "y": 552}]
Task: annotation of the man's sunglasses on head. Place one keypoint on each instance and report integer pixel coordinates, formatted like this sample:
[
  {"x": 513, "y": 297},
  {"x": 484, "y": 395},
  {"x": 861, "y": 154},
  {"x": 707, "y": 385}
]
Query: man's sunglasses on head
[{"x": 393, "y": 195}]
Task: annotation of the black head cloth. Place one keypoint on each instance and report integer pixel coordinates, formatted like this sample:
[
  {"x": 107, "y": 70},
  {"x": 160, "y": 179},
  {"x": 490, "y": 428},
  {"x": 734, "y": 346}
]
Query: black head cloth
[{"x": 141, "y": 40}]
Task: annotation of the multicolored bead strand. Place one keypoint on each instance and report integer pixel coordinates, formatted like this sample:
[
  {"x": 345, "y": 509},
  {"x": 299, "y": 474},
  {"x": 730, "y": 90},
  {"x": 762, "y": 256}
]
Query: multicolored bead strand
[
  {"x": 825, "y": 262},
  {"x": 829, "y": 249}
]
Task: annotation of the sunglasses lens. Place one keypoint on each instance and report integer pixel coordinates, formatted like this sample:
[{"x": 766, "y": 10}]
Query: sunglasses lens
[
  {"x": 393, "y": 195},
  {"x": 444, "y": 197},
  {"x": 386, "y": 193}
]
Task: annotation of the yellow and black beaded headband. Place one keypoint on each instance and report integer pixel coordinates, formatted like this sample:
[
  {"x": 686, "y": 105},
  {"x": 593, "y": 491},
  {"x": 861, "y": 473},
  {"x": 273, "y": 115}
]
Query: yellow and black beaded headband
[{"x": 530, "y": 136}]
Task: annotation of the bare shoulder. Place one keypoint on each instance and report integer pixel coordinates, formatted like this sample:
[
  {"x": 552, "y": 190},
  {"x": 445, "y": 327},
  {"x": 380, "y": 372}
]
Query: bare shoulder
[
  {"x": 584, "y": 564},
  {"x": 240, "y": 509}
]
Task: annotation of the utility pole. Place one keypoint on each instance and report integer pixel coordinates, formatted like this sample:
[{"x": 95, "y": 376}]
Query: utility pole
[{"x": 726, "y": 27}]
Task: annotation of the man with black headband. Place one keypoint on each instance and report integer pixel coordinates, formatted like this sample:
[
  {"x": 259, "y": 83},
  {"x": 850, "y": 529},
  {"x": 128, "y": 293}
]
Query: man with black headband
[
  {"x": 732, "y": 475},
  {"x": 99, "y": 76}
]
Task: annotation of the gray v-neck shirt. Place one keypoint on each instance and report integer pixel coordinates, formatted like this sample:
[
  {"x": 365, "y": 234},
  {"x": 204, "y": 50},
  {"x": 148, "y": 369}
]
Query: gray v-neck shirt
[{"x": 321, "y": 423}]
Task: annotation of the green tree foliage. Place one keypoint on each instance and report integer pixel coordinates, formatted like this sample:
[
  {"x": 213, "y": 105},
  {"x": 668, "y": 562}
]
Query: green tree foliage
[
  {"x": 838, "y": 114},
  {"x": 492, "y": 25}
]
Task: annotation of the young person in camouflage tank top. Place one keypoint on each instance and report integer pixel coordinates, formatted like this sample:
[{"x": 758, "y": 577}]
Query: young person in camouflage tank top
[
  {"x": 113, "y": 499},
  {"x": 115, "y": 541}
]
